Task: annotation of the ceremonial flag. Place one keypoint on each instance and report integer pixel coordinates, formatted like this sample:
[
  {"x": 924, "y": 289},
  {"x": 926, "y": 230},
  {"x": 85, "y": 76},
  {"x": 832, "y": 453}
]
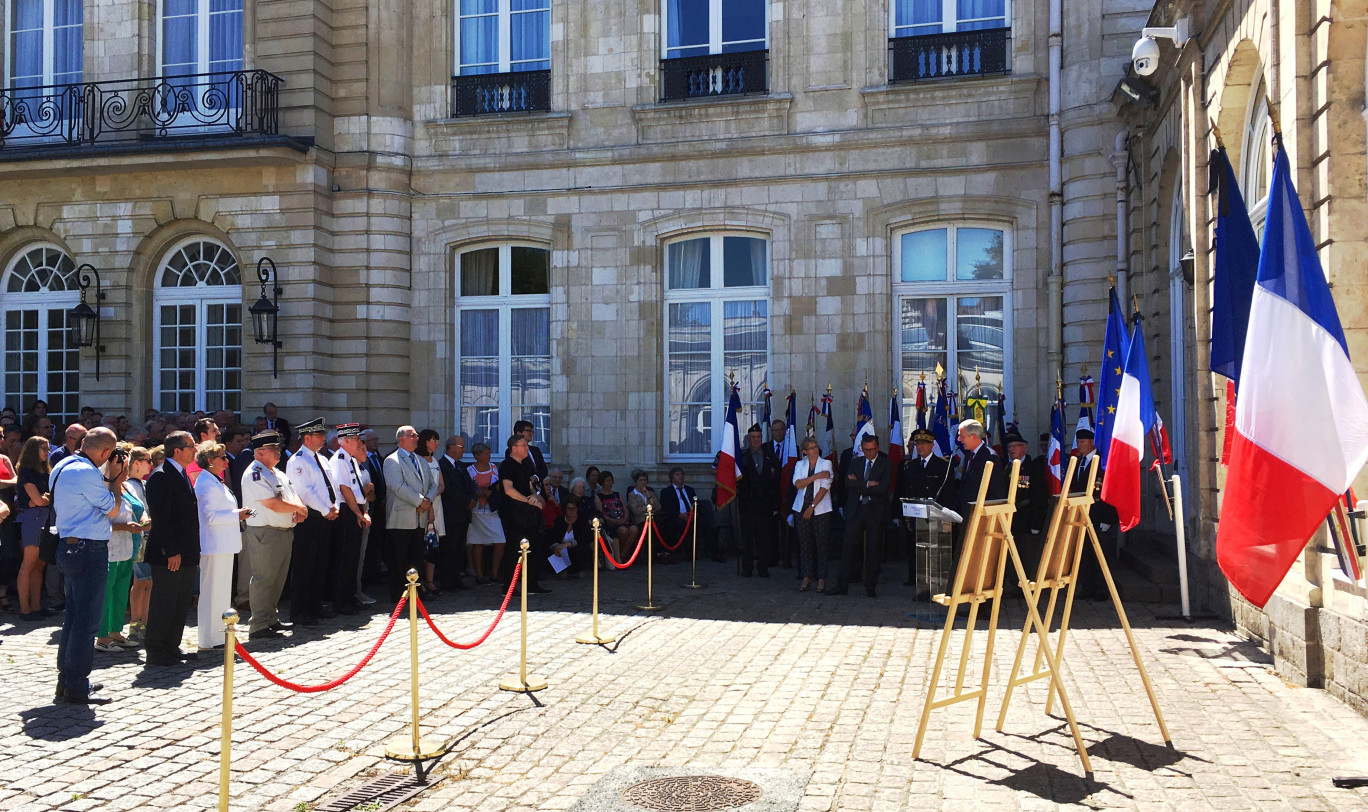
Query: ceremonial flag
[
  {"x": 1056, "y": 453},
  {"x": 765, "y": 421},
  {"x": 1301, "y": 421},
  {"x": 1233, "y": 270},
  {"x": 829, "y": 432},
  {"x": 1134, "y": 410},
  {"x": 1159, "y": 441},
  {"x": 1087, "y": 401},
  {"x": 895, "y": 438},
  {"x": 940, "y": 423},
  {"x": 864, "y": 418},
  {"x": 921, "y": 404},
  {"x": 1114, "y": 353},
  {"x": 728, "y": 471},
  {"x": 812, "y": 419},
  {"x": 790, "y": 445}
]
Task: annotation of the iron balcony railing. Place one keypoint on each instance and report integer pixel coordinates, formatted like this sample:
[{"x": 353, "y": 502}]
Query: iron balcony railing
[
  {"x": 944, "y": 56},
  {"x": 491, "y": 93},
  {"x": 228, "y": 102},
  {"x": 699, "y": 77}
]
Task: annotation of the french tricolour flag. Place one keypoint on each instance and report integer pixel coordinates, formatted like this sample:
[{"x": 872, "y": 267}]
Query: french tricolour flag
[
  {"x": 728, "y": 471},
  {"x": 1301, "y": 420},
  {"x": 1134, "y": 416}
]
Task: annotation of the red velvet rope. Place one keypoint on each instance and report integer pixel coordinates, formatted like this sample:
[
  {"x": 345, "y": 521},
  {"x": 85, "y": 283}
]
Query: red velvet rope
[
  {"x": 640, "y": 543},
  {"x": 682, "y": 534},
  {"x": 422, "y": 610},
  {"x": 327, "y": 686}
]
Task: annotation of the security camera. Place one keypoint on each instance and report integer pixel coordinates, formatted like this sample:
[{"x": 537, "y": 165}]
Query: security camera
[{"x": 1145, "y": 56}]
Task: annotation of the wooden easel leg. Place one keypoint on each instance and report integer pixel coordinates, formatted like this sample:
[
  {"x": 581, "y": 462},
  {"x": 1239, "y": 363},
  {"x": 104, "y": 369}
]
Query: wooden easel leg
[
  {"x": 992, "y": 633},
  {"x": 950, "y": 613},
  {"x": 1055, "y": 676},
  {"x": 1130, "y": 637},
  {"x": 1016, "y": 664},
  {"x": 1075, "y": 540},
  {"x": 968, "y": 641}
]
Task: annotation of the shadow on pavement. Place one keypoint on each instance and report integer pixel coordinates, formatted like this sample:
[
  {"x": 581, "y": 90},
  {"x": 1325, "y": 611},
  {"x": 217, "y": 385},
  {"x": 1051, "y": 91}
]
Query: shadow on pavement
[{"x": 59, "y": 723}]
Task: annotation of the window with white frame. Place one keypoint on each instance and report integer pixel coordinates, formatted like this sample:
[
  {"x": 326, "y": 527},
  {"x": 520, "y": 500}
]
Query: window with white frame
[
  {"x": 502, "y": 36},
  {"x": 716, "y": 328},
  {"x": 911, "y": 18},
  {"x": 41, "y": 362},
  {"x": 702, "y": 27},
  {"x": 952, "y": 288},
  {"x": 1256, "y": 157},
  {"x": 197, "y": 329},
  {"x": 45, "y": 42},
  {"x": 503, "y": 333}
]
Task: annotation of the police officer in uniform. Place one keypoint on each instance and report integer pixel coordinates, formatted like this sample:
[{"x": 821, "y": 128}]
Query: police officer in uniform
[
  {"x": 346, "y": 471},
  {"x": 308, "y": 473},
  {"x": 267, "y": 491},
  {"x": 921, "y": 476}
]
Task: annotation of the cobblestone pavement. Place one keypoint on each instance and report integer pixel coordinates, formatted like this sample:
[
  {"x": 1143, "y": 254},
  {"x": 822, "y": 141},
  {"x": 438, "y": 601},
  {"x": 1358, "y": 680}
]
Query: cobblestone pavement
[{"x": 743, "y": 674}]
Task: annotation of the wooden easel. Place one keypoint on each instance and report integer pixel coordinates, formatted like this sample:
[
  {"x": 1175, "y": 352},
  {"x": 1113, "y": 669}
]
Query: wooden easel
[
  {"x": 987, "y": 545},
  {"x": 1070, "y": 526}
]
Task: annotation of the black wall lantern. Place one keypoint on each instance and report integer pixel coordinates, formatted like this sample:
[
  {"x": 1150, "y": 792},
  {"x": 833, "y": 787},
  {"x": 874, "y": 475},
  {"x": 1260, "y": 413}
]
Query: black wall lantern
[
  {"x": 83, "y": 321},
  {"x": 266, "y": 312}
]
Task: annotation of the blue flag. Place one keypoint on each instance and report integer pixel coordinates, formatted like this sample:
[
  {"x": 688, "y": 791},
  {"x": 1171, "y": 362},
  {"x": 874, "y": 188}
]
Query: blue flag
[
  {"x": 1113, "y": 365},
  {"x": 1234, "y": 270},
  {"x": 940, "y": 424}
]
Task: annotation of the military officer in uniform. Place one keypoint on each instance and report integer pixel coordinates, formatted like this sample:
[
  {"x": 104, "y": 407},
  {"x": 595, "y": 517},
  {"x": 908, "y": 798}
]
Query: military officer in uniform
[
  {"x": 267, "y": 491},
  {"x": 346, "y": 471},
  {"x": 308, "y": 473},
  {"x": 921, "y": 476}
]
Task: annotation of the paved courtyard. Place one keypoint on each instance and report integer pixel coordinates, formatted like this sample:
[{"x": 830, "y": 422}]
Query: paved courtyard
[{"x": 742, "y": 675}]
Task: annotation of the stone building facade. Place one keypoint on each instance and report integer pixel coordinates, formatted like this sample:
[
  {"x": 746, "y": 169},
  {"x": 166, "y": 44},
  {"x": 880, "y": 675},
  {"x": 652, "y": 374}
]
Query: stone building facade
[{"x": 1308, "y": 61}]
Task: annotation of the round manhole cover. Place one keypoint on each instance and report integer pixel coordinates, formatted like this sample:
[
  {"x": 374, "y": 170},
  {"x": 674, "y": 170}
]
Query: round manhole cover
[{"x": 692, "y": 793}]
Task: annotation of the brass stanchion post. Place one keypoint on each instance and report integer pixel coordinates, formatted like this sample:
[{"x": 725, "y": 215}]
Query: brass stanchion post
[
  {"x": 649, "y": 605},
  {"x": 413, "y": 747},
  {"x": 524, "y": 684},
  {"x": 693, "y": 578},
  {"x": 595, "y": 637},
  {"x": 230, "y": 619}
]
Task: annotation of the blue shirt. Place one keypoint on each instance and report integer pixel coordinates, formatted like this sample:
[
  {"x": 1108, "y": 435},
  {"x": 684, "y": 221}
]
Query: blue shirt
[{"x": 82, "y": 500}]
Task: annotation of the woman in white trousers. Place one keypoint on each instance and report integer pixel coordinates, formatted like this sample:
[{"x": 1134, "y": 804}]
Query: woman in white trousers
[{"x": 220, "y": 539}]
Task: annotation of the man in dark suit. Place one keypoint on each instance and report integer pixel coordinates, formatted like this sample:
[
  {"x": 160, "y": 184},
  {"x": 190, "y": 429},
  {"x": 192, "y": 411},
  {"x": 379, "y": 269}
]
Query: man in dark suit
[
  {"x": 279, "y": 425},
  {"x": 1091, "y": 584},
  {"x": 173, "y": 550},
  {"x": 524, "y": 427},
  {"x": 372, "y": 564},
  {"x": 757, "y": 493},
  {"x": 458, "y": 500},
  {"x": 922, "y": 476},
  {"x": 867, "y": 481},
  {"x": 676, "y": 500},
  {"x": 1032, "y": 502},
  {"x": 977, "y": 454},
  {"x": 838, "y": 484}
]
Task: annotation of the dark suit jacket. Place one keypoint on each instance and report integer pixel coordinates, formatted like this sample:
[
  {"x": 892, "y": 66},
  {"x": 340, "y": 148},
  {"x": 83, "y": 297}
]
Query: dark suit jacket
[
  {"x": 877, "y": 487},
  {"x": 973, "y": 477},
  {"x": 1100, "y": 512},
  {"x": 758, "y": 488},
  {"x": 459, "y": 493},
  {"x": 1033, "y": 496},
  {"x": 931, "y": 481},
  {"x": 375, "y": 464},
  {"x": 236, "y": 467},
  {"x": 838, "y": 492},
  {"x": 282, "y": 426},
  {"x": 669, "y": 501},
  {"x": 538, "y": 461},
  {"x": 174, "y": 510}
]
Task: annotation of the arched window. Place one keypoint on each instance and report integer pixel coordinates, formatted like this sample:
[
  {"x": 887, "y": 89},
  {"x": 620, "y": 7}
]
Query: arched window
[
  {"x": 1256, "y": 156},
  {"x": 503, "y": 334},
  {"x": 716, "y": 323},
  {"x": 952, "y": 293},
  {"x": 41, "y": 362},
  {"x": 197, "y": 328}
]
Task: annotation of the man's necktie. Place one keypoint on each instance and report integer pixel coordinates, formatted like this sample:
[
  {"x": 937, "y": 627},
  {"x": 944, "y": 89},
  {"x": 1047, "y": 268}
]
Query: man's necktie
[
  {"x": 356, "y": 472},
  {"x": 332, "y": 497}
]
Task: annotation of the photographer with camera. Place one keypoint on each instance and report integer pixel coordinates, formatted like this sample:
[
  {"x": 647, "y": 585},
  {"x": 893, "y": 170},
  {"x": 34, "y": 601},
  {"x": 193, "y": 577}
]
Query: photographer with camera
[{"x": 85, "y": 503}]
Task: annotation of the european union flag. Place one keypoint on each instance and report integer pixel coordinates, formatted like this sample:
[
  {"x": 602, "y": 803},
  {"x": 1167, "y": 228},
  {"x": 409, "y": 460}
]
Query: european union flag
[{"x": 1113, "y": 365}]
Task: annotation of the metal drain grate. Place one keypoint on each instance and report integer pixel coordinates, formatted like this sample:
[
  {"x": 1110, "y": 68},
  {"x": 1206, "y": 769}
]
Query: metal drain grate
[
  {"x": 385, "y": 792},
  {"x": 692, "y": 793}
]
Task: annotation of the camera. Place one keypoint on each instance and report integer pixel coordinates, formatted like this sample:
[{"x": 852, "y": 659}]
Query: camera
[
  {"x": 119, "y": 456},
  {"x": 1145, "y": 56}
]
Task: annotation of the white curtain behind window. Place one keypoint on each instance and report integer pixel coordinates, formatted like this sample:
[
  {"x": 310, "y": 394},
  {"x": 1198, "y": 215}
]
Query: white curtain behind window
[
  {"x": 480, "y": 272},
  {"x": 530, "y": 35},
  {"x": 686, "y": 261},
  {"x": 225, "y": 35}
]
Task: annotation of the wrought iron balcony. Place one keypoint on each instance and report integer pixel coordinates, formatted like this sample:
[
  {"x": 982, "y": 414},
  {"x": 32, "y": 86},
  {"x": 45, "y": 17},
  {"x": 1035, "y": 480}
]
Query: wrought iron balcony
[
  {"x": 224, "y": 103},
  {"x": 944, "y": 56},
  {"x": 699, "y": 77},
  {"x": 491, "y": 93}
]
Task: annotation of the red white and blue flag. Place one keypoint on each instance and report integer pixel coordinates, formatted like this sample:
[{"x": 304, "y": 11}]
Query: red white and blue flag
[
  {"x": 828, "y": 441},
  {"x": 728, "y": 470},
  {"x": 1133, "y": 417},
  {"x": 812, "y": 420},
  {"x": 1055, "y": 461},
  {"x": 790, "y": 446},
  {"x": 1301, "y": 419},
  {"x": 1159, "y": 442},
  {"x": 767, "y": 418},
  {"x": 864, "y": 418},
  {"x": 895, "y": 437},
  {"x": 921, "y": 404}
]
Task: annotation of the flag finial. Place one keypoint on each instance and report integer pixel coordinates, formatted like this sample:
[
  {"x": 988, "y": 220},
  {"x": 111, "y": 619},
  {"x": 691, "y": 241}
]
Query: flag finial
[
  {"x": 1216, "y": 133},
  {"x": 940, "y": 371},
  {"x": 923, "y": 377},
  {"x": 1273, "y": 115},
  {"x": 1135, "y": 302},
  {"x": 1059, "y": 388}
]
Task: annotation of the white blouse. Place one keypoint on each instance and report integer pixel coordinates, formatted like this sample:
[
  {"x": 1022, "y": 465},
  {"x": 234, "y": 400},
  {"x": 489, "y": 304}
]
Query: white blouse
[
  {"x": 220, "y": 532},
  {"x": 802, "y": 470}
]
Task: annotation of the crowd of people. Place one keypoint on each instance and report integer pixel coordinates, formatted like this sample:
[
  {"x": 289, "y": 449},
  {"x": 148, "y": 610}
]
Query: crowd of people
[{"x": 196, "y": 512}]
